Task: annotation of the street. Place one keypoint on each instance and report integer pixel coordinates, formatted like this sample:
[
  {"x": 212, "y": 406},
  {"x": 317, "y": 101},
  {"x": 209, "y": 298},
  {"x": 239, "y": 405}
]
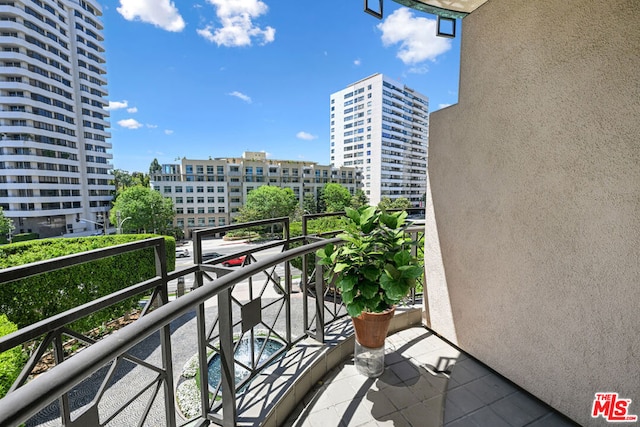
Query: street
[{"x": 241, "y": 290}]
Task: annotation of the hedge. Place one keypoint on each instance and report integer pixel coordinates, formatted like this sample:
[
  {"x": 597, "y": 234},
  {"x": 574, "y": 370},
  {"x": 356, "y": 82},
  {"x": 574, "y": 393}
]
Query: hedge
[
  {"x": 36, "y": 298},
  {"x": 11, "y": 361},
  {"x": 23, "y": 237}
]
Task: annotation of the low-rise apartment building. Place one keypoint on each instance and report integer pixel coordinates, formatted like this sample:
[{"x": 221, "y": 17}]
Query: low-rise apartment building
[{"x": 210, "y": 192}]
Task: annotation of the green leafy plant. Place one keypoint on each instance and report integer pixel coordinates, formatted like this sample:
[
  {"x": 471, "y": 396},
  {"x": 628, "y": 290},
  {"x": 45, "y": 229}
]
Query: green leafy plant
[
  {"x": 11, "y": 361},
  {"x": 34, "y": 298},
  {"x": 374, "y": 269}
]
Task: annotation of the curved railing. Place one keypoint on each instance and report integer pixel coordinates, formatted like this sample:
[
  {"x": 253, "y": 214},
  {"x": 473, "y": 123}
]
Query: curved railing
[{"x": 228, "y": 304}]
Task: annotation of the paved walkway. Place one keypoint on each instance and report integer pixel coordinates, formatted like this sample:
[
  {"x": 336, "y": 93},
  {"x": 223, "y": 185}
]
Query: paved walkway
[{"x": 426, "y": 383}]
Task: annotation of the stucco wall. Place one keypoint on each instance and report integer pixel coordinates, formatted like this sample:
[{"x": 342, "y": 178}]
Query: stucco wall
[{"x": 535, "y": 179}]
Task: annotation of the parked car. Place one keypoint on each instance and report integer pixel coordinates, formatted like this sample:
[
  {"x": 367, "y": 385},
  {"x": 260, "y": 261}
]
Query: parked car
[
  {"x": 210, "y": 255},
  {"x": 182, "y": 252},
  {"x": 234, "y": 261}
]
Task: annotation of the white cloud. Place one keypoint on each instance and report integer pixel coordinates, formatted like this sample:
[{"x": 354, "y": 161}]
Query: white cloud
[
  {"x": 441, "y": 106},
  {"x": 306, "y": 136},
  {"x": 161, "y": 13},
  {"x": 416, "y": 36},
  {"x": 130, "y": 123},
  {"x": 132, "y": 110},
  {"x": 241, "y": 95},
  {"x": 357, "y": 62},
  {"x": 150, "y": 126},
  {"x": 168, "y": 132},
  {"x": 116, "y": 105},
  {"x": 238, "y": 29},
  {"x": 421, "y": 69}
]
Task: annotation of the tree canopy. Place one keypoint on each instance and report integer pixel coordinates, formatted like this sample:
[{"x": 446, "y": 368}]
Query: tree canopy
[
  {"x": 146, "y": 209},
  {"x": 399, "y": 203},
  {"x": 123, "y": 179},
  {"x": 309, "y": 203},
  {"x": 6, "y": 224},
  {"x": 268, "y": 202},
  {"x": 359, "y": 199},
  {"x": 336, "y": 198},
  {"x": 155, "y": 167}
]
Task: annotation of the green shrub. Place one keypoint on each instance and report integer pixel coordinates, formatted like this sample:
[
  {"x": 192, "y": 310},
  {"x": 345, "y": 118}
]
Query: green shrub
[
  {"x": 35, "y": 298},
  {"x": 11, "y": 361},
  {"x": 23, "y": 237}
]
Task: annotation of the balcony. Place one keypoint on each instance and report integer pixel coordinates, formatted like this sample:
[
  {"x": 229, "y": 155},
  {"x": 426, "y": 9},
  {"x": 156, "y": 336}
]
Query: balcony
[{"x": 134, "y": 374}]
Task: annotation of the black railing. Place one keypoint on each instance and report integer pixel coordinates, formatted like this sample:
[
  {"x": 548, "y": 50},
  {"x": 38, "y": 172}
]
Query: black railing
[{"x": 229, "y": 304}]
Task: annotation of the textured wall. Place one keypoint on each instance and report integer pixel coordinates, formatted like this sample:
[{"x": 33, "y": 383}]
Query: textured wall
[{"x": 535, "y": 178}]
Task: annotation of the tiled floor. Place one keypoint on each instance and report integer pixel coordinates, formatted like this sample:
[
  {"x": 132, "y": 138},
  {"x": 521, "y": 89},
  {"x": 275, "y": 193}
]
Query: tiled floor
[{"x": 427, "y": 382}]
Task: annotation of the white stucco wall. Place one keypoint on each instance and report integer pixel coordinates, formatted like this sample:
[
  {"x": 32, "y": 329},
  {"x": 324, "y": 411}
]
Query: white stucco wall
[{"x": 535, "y": 179}]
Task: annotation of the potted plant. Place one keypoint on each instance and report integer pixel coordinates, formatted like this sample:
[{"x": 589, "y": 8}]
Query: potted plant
[{"x": 373, "y": 270}]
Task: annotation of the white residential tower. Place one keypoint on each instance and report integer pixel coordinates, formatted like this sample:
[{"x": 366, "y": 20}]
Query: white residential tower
[
  {"x": 381, "y": 127},
  {"x": 54, "y": 159}
]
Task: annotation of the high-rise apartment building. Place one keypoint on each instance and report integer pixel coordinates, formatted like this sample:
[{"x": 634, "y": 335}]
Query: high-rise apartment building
[
  {"x": 381, "y": 127},
  {"x": 54, "y": 159},
  {"x": 209, "y": 193}
]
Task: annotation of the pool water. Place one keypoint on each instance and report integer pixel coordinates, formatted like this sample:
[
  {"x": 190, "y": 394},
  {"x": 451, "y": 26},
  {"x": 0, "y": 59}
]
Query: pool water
[{"x": 243, "y": 355}]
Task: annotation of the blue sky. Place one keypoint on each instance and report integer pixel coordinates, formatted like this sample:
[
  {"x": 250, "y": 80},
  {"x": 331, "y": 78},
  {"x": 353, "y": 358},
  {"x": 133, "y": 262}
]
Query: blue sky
[{"x": 214, "y": 78}]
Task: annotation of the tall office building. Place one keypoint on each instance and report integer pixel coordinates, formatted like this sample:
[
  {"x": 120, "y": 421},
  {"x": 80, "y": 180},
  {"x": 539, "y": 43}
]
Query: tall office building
[
  {"x": 54, "y": 164},
  {"x": 381, "y": 127},
  {"x": 209, "y": 193}
]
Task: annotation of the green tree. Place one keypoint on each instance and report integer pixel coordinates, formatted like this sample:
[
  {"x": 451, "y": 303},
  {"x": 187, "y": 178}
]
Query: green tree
[
  {"x": 123, "y": 179},
  {"x": 359, "y": 199},
  {"x": 147, "y": 209},
  {"x": 154, "y": 167},
  {"x": 336, "y": 198},
  {"x": 387, "y": 203},
  {"x": 309, "y": 203},
  {"x": 268, "y": 202},
  {"x": 6, "y": 224},
  {"x": 401, "y": 203}
]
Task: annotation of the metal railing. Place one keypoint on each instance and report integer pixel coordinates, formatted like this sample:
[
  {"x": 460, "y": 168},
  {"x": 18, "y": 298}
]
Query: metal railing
[{"x": 229, "y": 304}]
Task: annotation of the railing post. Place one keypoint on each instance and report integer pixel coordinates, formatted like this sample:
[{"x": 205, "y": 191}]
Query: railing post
[
  {"x": 319, "y": 303},
  {"x": 287, "y": 281},
  {"x": 165, "y": 338},
  {"x": 65, "y": 407},
  {"x": 227, "y": 363}
]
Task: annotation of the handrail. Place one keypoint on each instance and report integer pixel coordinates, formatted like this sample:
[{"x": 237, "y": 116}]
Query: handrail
[{"x": 18, "y": 406}]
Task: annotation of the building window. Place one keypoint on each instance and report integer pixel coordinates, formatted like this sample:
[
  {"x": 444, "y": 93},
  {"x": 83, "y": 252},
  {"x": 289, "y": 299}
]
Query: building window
[
  {"x": 220, "y": 199},
  {"x": 189, "y": 189}
]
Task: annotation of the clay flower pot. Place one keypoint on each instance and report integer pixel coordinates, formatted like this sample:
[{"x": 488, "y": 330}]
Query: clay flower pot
[{"x": 371, "y": 328}]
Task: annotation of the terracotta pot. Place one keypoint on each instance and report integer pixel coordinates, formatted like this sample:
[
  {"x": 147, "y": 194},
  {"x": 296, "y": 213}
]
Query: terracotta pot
[{"x": 371, "y": 328}]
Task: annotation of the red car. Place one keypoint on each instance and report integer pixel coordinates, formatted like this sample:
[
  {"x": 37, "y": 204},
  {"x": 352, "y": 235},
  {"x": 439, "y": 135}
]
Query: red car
[{"x": 234, "y": 261}]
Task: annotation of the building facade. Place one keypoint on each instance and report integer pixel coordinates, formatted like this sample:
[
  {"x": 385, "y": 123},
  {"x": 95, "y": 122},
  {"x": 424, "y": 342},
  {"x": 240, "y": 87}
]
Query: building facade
[
  {"x": 54, "y": 159},
  {"x": 210, "y": 193},
  {"x": 381, "y": 127}
]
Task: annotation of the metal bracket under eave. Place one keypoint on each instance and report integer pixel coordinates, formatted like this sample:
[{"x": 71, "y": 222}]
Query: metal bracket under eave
[
  {"x": 446, "y": 27},
  {"x": 372, "y": 12}
]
